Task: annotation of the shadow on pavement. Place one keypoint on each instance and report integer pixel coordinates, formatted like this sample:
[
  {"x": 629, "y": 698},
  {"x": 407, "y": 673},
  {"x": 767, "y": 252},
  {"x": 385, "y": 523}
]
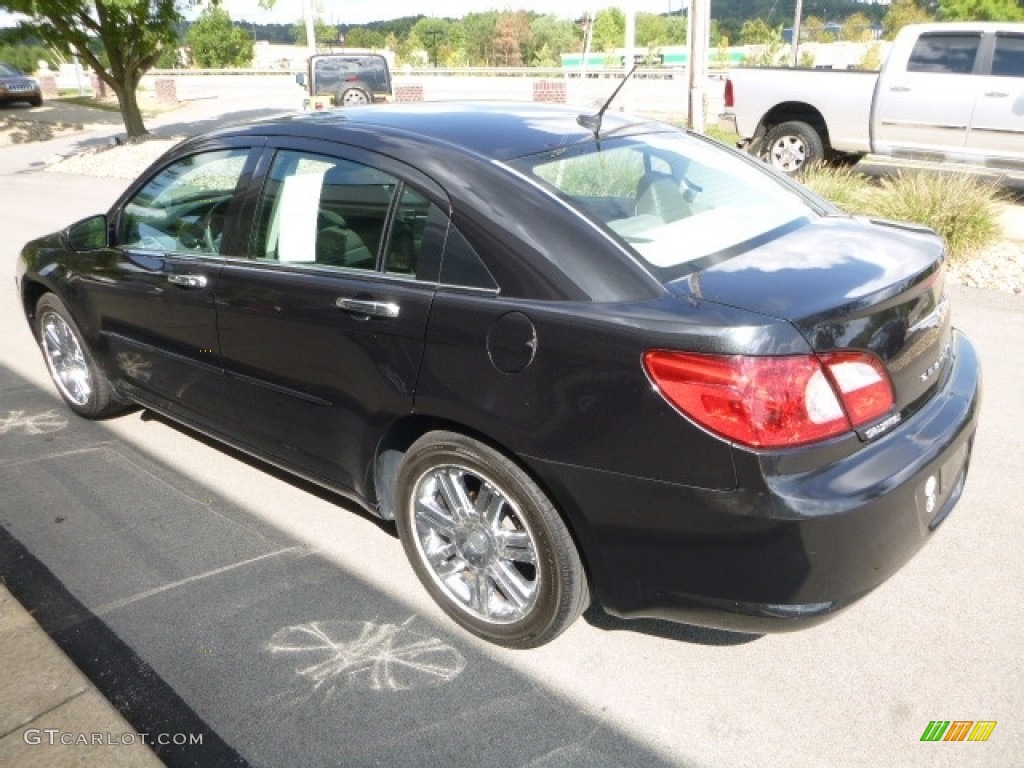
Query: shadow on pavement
[{"x": 193, "y": 616}]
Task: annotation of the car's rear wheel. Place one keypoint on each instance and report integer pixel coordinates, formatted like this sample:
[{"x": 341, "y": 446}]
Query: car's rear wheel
[
  {"x": 487, "y": 543},
  {"x": 79, "y": 380},
  {"x": 792, "y": 147},
  {"x": 353, "y": 97}
]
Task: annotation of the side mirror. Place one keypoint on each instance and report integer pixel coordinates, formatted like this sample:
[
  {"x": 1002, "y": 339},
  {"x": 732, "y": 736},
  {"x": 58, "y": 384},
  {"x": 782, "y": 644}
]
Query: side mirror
[
  {"x": 300, "y": 79},
  {"x": 88, "y": 234}
]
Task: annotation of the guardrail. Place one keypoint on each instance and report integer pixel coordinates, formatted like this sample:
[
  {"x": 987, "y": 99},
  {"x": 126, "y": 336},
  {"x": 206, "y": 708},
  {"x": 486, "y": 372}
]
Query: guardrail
[{"x": 642, "y": 73}]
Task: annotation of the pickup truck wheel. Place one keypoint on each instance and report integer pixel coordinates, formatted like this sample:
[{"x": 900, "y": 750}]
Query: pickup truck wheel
[{"x": 791, "y": 147}]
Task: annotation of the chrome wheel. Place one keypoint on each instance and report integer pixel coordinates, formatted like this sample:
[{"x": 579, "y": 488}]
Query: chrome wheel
[
  {"x": 476, "y": 544},
  {"x": 66, "y": 359}
]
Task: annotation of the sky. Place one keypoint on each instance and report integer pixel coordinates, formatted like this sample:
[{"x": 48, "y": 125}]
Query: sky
[{"x": 364, "y": 11}]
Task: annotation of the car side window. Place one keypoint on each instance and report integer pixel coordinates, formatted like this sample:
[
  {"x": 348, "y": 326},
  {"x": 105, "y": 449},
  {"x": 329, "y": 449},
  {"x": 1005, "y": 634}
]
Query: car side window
[
  {"x": 182, "y": 209},
  {"x": 462, "y": 265},
  {"x": 405, "y": 243},
  {"x": 323, "y": 210},
  {"x": 948, "y": 53},
  {"x": 1008, "y": 60}
]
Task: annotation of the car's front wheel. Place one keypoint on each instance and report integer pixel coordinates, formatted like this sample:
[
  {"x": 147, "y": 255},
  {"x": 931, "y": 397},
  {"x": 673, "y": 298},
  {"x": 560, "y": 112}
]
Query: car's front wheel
[
  {"x": 487, "y": 543},
  {"x": 80, "y": 381}
]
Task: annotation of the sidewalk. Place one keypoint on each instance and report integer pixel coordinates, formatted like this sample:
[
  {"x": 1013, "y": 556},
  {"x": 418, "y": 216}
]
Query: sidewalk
[{"x": 51, "y": 715}]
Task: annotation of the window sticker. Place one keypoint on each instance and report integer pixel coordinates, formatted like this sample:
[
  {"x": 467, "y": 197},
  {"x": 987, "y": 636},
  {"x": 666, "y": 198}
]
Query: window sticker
[{"x": 300, "y": 201}]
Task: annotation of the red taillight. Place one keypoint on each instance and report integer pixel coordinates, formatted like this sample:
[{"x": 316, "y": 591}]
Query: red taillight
[
  {"x": 771, "y": 402},
  {"x": 728, "y": 93}
]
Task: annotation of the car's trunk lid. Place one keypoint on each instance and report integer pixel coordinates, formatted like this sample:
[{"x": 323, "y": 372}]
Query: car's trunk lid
[{"x": 848, "y": 284}]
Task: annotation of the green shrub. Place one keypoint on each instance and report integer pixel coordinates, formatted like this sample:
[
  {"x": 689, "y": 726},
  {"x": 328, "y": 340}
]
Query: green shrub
[
  {"x": 842, "y": 186},
  {"x": 964, "y": 209}
]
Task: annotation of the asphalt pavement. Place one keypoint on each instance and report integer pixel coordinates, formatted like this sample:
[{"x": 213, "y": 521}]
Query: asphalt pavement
[{"x": 169, "y": 587}]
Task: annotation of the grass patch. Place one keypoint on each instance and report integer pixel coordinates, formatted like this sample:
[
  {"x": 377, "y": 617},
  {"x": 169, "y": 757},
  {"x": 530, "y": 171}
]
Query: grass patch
[
  {"x": 722, "y": 137},
  {"x": 964, "y": 209},
  {"x": 88, "y": 101}
]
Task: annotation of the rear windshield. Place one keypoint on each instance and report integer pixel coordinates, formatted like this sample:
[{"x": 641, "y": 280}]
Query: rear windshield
[{"x": 678, "y": 202}]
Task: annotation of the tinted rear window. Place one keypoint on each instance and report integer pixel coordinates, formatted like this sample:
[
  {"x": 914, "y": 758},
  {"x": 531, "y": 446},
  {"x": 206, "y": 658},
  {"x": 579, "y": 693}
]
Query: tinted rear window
[
  {"x": 1008, "y": 60},
  {"x": 677, "y": 202}
]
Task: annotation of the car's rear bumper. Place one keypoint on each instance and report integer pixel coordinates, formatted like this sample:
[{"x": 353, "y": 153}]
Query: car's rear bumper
[{"x": 793, "y": 545}]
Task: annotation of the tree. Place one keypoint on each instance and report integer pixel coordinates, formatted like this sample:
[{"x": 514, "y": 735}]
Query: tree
[
  {"x": 756, "y": 32},
  {"x": 325, "y": 34},
  {"x": 215, "y": 43},
  {"x": 550, "y": 37},
  {"x": 856, "y": 28},
  {"x": 361, "y": 37},
  {"x": 479, "y": 31},
  {"x": 131, "y": 35},
  {"x": 981, "y": 10},
  {"x": 609, "y": 30},
  {"x": 814, "y": 31},
  {"x": 654, "y": 30},
  {"x": 901, "y": 13},
  {"x": 513, "y": 30},
  {"x": 431, "y": 34}
]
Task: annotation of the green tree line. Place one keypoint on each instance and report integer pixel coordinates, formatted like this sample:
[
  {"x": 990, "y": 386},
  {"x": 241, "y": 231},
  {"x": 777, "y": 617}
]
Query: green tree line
[{"x": 122, "y": 39}]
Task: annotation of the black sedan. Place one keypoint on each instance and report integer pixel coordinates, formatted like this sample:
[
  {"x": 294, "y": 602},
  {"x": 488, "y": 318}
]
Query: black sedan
[{"x": 570, "y": 356}]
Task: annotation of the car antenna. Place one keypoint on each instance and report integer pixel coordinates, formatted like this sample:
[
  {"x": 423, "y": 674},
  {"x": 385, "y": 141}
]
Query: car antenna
[{"x": 593, "y": 122}]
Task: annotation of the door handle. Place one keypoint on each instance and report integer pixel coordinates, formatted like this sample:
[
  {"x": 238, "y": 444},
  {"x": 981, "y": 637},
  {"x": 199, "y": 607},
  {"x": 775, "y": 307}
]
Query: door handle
[
  {"x": 900, "y": 89},
  {"x": 997, "y": 94},
  {"x": 368, "y": 307},
  {"x": 188, "y": 281}
]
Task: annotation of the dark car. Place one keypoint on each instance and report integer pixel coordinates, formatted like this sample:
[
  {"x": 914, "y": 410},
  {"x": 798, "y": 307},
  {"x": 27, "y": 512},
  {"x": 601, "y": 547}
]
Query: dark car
[
  {"x": 16, "y": 86},
  {"x": 350, "y": 79},
  {"x": 569, "y": 357}
]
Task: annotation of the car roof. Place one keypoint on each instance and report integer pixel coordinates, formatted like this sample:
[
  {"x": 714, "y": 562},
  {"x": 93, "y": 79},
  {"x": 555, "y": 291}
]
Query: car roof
[{"x": 497, "y": 130}]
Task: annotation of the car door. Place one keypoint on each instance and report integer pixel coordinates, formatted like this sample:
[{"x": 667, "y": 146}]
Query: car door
[
  {"x": 927, "y": 108},
  {"x": 155, "y": 291},
  {"x": 322, "y": 330},
  {"x": 997, "y": 127}
]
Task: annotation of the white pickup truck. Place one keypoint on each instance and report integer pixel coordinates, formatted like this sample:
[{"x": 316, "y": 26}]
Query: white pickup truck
[{"x": 951, "y": 92}]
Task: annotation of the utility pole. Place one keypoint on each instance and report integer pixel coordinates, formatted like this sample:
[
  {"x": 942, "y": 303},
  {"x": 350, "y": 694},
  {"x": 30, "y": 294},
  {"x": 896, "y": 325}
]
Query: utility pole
[
  {"x": 307, "y": 12},
  {"x": 698, "y": 31}
]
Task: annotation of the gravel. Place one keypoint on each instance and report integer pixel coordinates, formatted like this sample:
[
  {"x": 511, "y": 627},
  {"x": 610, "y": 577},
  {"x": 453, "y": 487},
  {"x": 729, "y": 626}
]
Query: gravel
[{"x": 999, "y": 267}]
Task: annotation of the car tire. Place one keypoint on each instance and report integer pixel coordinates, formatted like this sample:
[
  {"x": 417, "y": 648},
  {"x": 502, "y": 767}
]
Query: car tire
[
  {"x": 36, "y": 102},
  {"x": 487, "y": 543},
  {"x": 352, "y": 97},
  {"x": 792, "y": 147},
  {"x": 72, "y": 366}
]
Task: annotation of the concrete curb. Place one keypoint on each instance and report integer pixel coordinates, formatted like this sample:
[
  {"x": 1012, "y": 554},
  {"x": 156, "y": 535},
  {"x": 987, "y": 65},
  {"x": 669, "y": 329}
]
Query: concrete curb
[{"x": 50, "y": 713}]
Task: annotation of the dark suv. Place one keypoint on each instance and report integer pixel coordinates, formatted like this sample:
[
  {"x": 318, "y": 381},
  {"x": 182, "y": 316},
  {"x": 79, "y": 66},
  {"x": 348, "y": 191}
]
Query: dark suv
[
  {"x": 348, "y": 78},
  {"x": 17, "y": 86}
]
